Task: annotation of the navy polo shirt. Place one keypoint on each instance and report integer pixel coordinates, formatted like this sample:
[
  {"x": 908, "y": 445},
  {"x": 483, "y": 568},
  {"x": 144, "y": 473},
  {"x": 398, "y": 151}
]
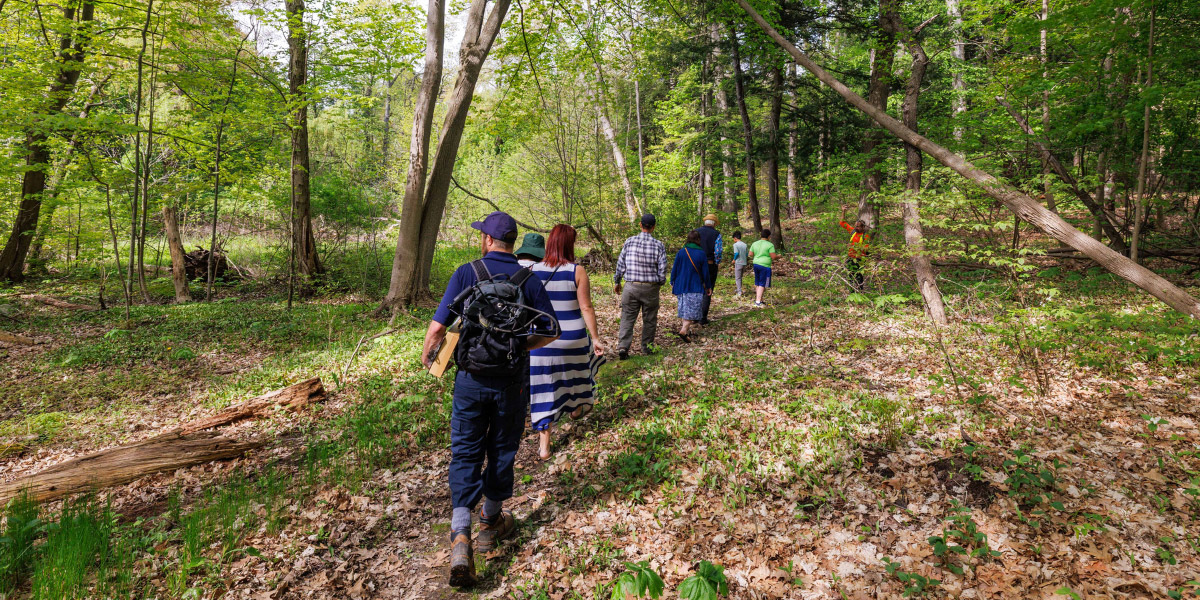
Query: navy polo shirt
[{"x": 498, "y": 263}]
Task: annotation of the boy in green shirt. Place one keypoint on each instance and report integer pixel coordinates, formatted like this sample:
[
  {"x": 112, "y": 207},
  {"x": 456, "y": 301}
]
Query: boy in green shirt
[{"x": 762, "y": 253}]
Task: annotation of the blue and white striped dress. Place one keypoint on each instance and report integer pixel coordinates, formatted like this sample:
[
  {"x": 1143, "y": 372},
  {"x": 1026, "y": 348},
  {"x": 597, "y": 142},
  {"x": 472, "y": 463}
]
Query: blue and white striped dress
[{"x": 560, "y": 374}]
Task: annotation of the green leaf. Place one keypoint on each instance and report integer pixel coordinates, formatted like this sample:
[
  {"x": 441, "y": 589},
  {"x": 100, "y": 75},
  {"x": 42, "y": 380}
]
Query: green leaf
[{"x": 697, "y": 588}]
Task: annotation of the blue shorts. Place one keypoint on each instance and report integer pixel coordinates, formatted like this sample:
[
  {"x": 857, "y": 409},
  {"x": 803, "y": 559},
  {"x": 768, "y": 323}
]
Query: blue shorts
[{"x": 762, "y": 276}]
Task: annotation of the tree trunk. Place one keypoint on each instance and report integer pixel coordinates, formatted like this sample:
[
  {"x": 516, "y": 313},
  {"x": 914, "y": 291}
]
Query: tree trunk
[
  {"x": 618, "y": 155},
  {"x": 1027, "y": 208},
  {"x": 1097, "y": 209},
  {"x": 729, "y": 202},
  {"x": 123, "y": 464},
  {"x": 878, "y": 90},
  {"x": 51, "y": 200},
  {"x": 175, "y": 245},
  {"x": 773, "y": 199},
  {"x": 913, "y": 237},
  {"x": 1140, "y": 196},
  {"x": 1047, "y": 188},
  {"x": 146, "y": 195},
  {"x": 793, "y": 193},
  {"x": 637, "y": 97},
  {"x": 37, "y": 158},
  {"x": 417, "y": 241},
  {"x": 401, "y": 289},
  {"x": 747, "y": 134},
  {"x": 959, "y": 54},
  {"x": 303, "y": 241},
  {"x": 212, "y": 245}
]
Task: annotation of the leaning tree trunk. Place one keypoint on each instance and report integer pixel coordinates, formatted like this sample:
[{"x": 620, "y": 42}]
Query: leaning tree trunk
[
  {"x": 773, "y": 158},
  {"x": 747, "y": 135},
  {"x": 877, "y": 94},
  {"x": 400, "y": 290},
  {"x": 1021, "y": 204},
  {"x": 913, "y": 238},
  {"x": 477, "y": 43},
  {"x": 303, "y": 241},
  {"x": 37, "y": 148},
  {"x": 175, "y": 245},
  {"x": 418, "y": 234},
  {"x": 618, "y": 155}
]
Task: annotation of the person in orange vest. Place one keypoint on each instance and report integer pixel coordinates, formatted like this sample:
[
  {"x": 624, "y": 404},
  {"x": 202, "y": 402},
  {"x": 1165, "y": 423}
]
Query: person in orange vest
[{"x": 859, "y": 248}]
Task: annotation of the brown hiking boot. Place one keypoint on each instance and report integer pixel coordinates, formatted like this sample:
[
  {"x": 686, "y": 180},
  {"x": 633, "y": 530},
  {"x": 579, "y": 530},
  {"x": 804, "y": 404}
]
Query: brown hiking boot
[
  {"x": 462, "y": 560},
  {"x": 501, "y": 529}
]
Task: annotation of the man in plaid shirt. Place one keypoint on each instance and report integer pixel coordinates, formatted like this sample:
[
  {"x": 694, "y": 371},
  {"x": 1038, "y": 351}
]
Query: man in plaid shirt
[{"x": 643, "y": 264}]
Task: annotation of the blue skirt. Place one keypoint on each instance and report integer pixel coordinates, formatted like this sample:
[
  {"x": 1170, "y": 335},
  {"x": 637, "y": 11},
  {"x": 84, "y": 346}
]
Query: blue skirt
[{"x": 691, "y": 306}]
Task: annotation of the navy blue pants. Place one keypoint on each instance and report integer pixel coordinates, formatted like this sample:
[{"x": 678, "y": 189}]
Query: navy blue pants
[
  {"x": 487, "y": 421},
  {"x": 712, "y": 283}
]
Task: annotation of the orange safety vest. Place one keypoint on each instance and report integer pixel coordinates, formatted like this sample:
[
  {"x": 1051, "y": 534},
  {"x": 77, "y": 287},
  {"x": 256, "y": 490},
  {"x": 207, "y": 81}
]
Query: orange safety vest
[{"x": 859, "y": 242}]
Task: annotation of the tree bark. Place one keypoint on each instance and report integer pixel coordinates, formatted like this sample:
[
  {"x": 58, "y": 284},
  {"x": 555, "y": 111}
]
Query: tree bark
[
  {"x": 959, "y": 54},
  {"x": 422, "y": 218},
  {"x": 935, "y": 309},
  {"x": 1027, "y": 208},
  {"x": 70, "y": 59},
  {"x": 1140, "y": 195},
  {"x": 477, "y": 43},
  {"x": 292, "y": 398},
  {"x": 123, "y": 464},
  {"x": 1103, "y": 217},
  {"x": 303, "y": 241},
  {"x": 747, "y": 134},
  {"x": 878, "y": 90},
  {"x": 51, "y": 200},
  {"x": 773, "y": 199},
  {"x": 793, "y": 192},
  {"x": 618, "y": 155},
  {"x": 175, "y": 246},
  {"x": 400, "y": 290},
  {"x": 1047, "y": 188}
]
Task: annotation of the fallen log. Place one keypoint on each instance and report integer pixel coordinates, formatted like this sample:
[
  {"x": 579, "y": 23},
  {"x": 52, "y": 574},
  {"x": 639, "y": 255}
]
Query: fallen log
[
  {"x": 16, "y": 338},
  {"x": 292, "y": 398},
  {"x": 124, "y": 464},
  {"x": 57, "y": 303}
]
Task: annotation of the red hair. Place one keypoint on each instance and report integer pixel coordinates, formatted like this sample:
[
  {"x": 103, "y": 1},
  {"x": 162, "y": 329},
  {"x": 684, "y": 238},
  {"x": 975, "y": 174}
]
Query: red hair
[{"x": 560, "y": 246}]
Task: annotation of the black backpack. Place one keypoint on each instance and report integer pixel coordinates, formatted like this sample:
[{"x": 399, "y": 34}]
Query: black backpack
[{"x": 496, "y": 323}]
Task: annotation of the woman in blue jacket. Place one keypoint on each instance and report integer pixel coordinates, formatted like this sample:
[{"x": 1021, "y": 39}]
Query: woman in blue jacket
[{"x": 689, "y": 277}]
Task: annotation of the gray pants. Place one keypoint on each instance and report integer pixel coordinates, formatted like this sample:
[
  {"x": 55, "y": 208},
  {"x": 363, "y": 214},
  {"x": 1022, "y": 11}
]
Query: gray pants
[
  {"x": 638, "y": 297},
  {"x": 737, "y": 277}
]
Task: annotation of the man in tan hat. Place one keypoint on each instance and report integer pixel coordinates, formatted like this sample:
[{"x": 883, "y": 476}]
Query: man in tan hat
[{"x": 713, "y": 245}]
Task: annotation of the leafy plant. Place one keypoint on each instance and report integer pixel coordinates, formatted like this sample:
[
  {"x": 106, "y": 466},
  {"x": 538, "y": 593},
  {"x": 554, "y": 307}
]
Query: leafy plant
[
  {"x": 1029, "y": 481},
  {"x": 964, "y": 540},
  {"x": 22, "y": 526},
  {"x": 707, "y": 584},
  {"x": 914, "y": 583},
  {"x": 638, "y": 581}
]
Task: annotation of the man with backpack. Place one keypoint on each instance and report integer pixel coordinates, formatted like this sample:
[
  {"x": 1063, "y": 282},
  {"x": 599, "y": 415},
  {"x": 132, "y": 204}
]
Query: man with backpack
[{"x": 503, "y": 313}]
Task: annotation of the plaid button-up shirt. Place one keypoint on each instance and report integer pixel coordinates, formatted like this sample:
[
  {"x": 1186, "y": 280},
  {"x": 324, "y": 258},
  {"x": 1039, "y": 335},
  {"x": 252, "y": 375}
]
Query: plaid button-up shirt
[{"x": 643, "y": 260}]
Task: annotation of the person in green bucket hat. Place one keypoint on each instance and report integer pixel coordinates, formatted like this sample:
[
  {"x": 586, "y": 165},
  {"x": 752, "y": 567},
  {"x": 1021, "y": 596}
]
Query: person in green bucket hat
[{"x": 532, "y": 250}]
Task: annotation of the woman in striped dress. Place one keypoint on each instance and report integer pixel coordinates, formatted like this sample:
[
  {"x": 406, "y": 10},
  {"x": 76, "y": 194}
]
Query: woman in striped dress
[{"x": 560, "y": 374}]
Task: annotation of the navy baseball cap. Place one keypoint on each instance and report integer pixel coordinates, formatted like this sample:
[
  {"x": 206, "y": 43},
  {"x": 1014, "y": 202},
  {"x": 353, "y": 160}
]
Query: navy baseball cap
[
  {"x": 498, "y": 225},
  {"x": 648, "y": 220}
]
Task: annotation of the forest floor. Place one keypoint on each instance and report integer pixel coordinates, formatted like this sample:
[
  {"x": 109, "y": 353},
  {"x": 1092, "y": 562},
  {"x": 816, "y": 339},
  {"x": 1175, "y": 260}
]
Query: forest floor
[{"x": 1047, "y": 440}]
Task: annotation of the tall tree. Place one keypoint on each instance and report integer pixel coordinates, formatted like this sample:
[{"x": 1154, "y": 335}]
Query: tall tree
[
  {"x": 1139, "y": 215},
  {"x": 68, "y": 63},
  {"x": 739, "y": 88},
  {"x": 773, "y": 199},
  {"x": 913, "y": 236},
  {"x": 303, "y": 242},
  {"x": 421, "y": 220}
]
